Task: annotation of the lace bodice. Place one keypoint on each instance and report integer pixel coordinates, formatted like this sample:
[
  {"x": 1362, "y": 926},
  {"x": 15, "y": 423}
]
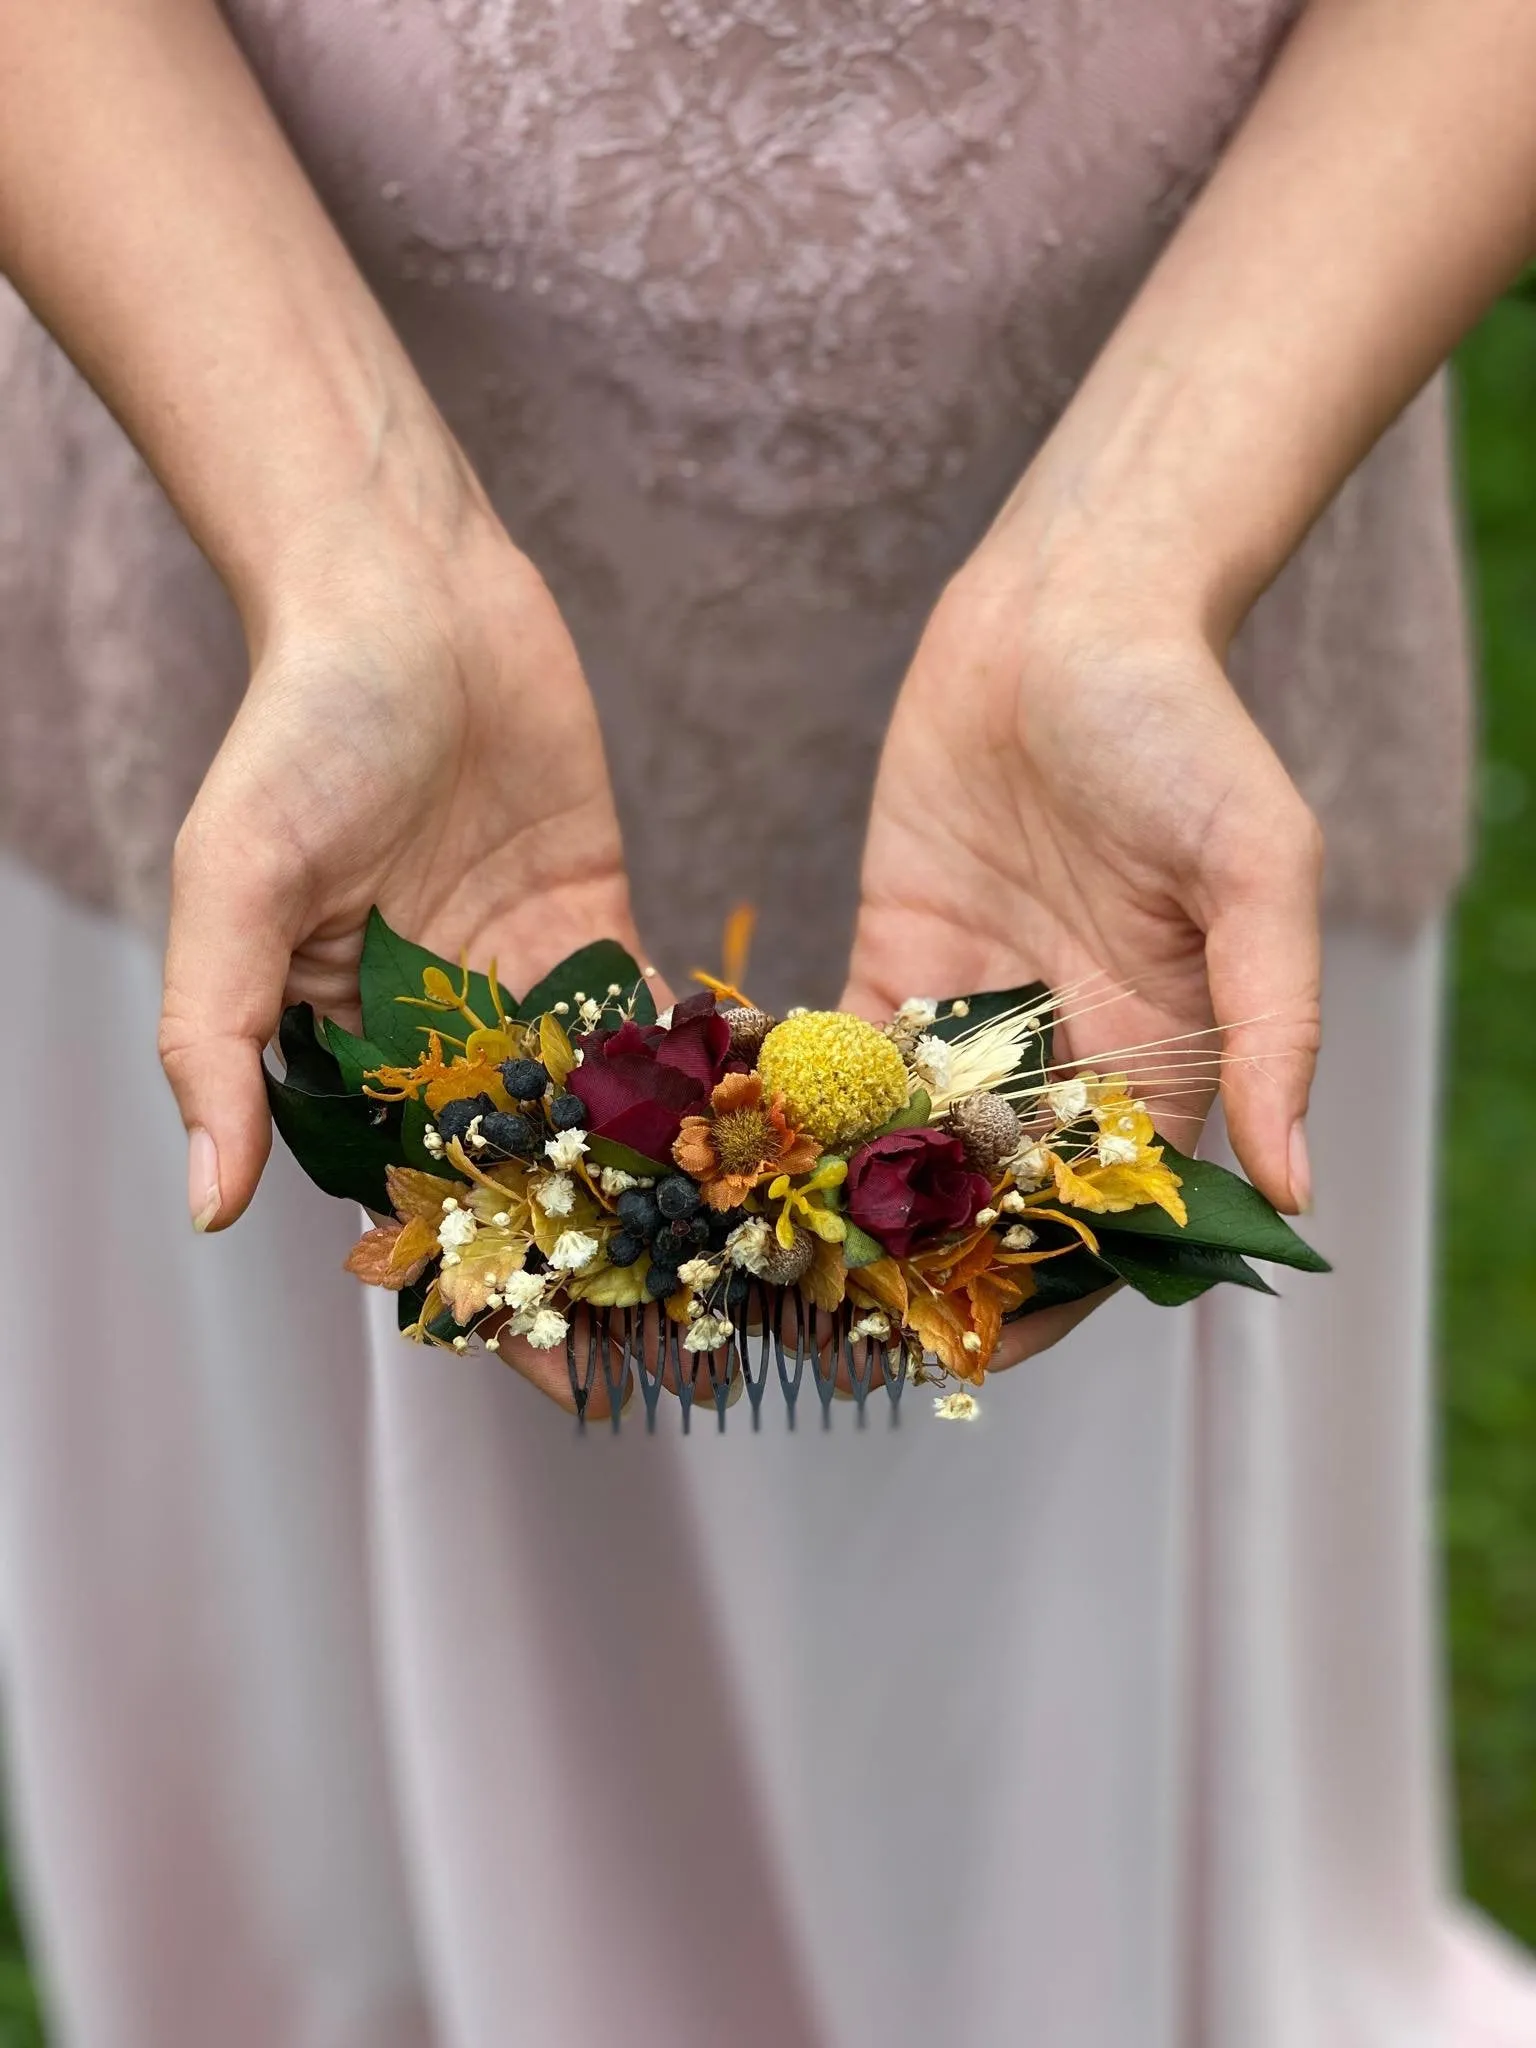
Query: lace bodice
[{"x": 749, "y": 312}]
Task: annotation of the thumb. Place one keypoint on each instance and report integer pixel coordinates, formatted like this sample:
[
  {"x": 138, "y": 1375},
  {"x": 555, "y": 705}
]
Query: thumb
[
  {"x": 227, "y": 959},
  {"x": 1263, "y": 955}
]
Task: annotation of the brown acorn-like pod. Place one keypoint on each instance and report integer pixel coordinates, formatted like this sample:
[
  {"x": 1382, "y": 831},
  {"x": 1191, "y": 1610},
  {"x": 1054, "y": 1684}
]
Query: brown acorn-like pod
[
  {"x": 988, "y": 1128},
  {"x": 749, "y": 1028},
  {"x": 781, "y": 1265}
]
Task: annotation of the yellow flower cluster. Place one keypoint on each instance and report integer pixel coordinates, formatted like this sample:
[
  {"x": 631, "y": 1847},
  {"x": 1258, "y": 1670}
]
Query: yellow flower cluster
[{"x": 839, "y": 1076}]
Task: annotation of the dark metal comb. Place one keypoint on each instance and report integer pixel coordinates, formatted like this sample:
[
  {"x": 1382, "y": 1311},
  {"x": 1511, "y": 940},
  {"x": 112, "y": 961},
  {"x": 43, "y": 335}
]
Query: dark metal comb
[{"x": 776, "y": 1334}]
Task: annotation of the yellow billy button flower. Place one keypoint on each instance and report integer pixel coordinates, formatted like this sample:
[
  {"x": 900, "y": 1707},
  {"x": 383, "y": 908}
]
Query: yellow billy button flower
[
  {"x": 801, "y": 1204},
  {"x": 840, "y": 1078}
]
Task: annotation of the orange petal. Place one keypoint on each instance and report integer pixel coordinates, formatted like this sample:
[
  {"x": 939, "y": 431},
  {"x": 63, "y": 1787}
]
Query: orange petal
[
  {"x": 694, "y": 1148},
  {"x": 737, "y": 1091},
  {"x": 799, "y": 1156},
  {"x": 730, "y": 1189}
]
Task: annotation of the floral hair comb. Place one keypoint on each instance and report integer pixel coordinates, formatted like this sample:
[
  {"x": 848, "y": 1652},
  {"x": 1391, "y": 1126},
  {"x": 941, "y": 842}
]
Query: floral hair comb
[{"x": 715, "y": 1200}]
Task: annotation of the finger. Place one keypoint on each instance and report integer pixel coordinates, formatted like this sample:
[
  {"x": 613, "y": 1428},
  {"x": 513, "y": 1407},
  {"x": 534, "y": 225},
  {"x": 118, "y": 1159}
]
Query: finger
[
  {"x": 1264, "y": 966},
  {"x": 231, "y": 939}
]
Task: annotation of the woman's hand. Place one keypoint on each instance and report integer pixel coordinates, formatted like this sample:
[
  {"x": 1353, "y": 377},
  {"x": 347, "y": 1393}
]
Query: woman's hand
[
  {"x": 417, "y": 734},
  {"x": 1071, "y": 791}
]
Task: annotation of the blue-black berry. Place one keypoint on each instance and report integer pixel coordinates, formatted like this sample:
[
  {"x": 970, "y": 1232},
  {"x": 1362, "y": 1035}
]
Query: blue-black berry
[
  {"x": 667, "y": 1250},
  {"x": 677, "y": 1195},
  {"x": 624, "y": 1247},
  {"x": 660, "y": 1281},
  {"x": 567, "y": 1112},
  {"x": 517, "y": 1136},
  {"x": 736, "y": 1291},
  {"x": 455, "y": 1118},
  {"x": 637, "y": 1210},
  {"x": 523, "y": 1079}
]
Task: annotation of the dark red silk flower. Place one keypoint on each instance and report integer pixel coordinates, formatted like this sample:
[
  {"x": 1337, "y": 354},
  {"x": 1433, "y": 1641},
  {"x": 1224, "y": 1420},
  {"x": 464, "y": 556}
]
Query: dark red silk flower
[
  {"x": 913, "y": 1185},
  {"x": 639, "y": 1082}
]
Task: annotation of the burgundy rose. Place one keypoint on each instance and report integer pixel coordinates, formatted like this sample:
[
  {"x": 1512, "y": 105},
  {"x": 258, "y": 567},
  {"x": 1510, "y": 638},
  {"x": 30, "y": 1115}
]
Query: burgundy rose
[
  {"x": 911, "y": 1185},
  {"x": 639, "y": 1082}
]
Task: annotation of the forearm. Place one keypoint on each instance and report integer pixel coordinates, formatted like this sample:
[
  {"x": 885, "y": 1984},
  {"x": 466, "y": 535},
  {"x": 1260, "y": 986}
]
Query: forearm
[
  {"x": 154, "y": 217},
  {"x": 1381, "y": 193}
]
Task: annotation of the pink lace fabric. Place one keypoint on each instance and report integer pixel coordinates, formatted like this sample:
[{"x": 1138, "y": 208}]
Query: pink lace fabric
[{"x": 749, "y": 312}]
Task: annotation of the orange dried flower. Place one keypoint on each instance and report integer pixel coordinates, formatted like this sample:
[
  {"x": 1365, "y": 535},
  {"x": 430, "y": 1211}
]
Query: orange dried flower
[{"x": 741, "y": 1142}]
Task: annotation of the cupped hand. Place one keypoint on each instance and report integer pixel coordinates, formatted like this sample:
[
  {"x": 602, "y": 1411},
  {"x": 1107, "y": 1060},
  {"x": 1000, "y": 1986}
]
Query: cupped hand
[
  {"x": 1070, "y": 791},
  {"x": 417, "y": 734}
]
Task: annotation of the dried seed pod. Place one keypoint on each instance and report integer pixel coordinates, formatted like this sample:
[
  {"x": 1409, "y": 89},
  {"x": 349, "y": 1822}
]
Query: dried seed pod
[
  {"x": 988, "y": 1128},
  {"x": 757, "y": 1248},
  {"x": 749, "y": 1028}
]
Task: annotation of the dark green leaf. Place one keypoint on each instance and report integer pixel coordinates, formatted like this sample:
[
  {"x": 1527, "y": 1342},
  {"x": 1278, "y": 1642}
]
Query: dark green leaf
[
  {"x": 859, "y": 1248},
  {"x": 392, "y": 967},
  {"x": 592, "y": 970},
  {"x": 308, "y": 1062},
  {"x": 1225, "y": 1212},
  {"x": 997, "y": 1002},
  {"x": 343, "y": 1142},
  {"x": 607, "y": 1153},
  {"x": 1170, "y": 1273},
  {"x": 1072, "y": 1277},
  {"x": 355, "y": 1056}
]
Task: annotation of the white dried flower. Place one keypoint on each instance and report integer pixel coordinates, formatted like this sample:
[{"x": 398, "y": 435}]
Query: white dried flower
[
  {"x": 613, "y": 1180},
  {"x": 707, "y": 1333},
  {"x": 566, "y": 1148},
  {"x": 985, "y": 1216},
  {"x": 876, "y": 1323},
  {"x": 473, "y": 1135},
  {"x": 573, "y": 1250},
  {"x": 960, "y": 1007},
  {"x": 956, "y": 1407},
  {"x": 970, "y": 1341},
  {"x": 698, "y": 1272},
  {"x": 458, "y": 1227},
  {"x": 522, "y": 1290},
  {"x": 461, "y": 1343},
  {"x": 590, "y": 1012},
  {"x": 664, "y": 1019},
  {"x": 557, "y": 1195},
  {"x": 1068, "y": 1100},
  {"x": 917, "y": 1013},
  {"x": 931, "y": 1061},
  {"x": 748, "y": 1244},
  {"x": 1114, "y": 1150},
  {"x": 614, "y": 989},
  {"x": 1031, "y": 1168},
  {"x": 1013, "y": 1203},
  {"x": 544, "y": 1329},
  {"x": 1018, "y": 1238}
]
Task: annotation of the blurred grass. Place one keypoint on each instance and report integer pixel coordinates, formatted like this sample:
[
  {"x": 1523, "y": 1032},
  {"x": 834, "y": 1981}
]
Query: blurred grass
[
  {"x": 1488, "y": 1342},
  {"x": 1488, "y": 1338}
]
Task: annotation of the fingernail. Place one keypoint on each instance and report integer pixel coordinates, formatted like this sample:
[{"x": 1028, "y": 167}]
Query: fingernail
[
  {"x": 202, "y": 1177},
  {"x": 1301, "y": 1169}
]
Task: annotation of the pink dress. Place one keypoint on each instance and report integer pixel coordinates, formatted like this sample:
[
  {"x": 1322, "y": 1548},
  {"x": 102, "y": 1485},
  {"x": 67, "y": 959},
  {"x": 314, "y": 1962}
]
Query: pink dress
[{"x": 352, "y": 1702}]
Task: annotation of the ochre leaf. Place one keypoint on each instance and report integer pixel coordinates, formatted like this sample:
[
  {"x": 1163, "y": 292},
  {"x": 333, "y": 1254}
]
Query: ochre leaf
[
  {"x": 942, "y": 1323},
  {"x": 991, "y": 1296},
  {"x": 610, "y": 1286},
  {"x": 881, "y": 1284},
  {"x": 413, "y": 1193},
  {"x": 825, "y": 1280},
  {"x": 555, "y": 1048}
]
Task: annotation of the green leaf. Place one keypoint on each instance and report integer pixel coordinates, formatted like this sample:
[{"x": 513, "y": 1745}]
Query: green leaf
[
  {"x": 859, "y": 1248},
  {"x": 592, "y": 970},
  {"x": 354, "y": 1056},
  {"x": 308, "y": 1061},
  {"x": 1224, "y": 1212},
  {"x": 1072, "y": 1277},
  {"x": 392, "y": 967},
  {"x": 997, "y": 1002},
  {"x": 342, "y": 1139},
  {"x": 1171, "y": 1274},
  {"x": 607, "y": 1153},
  {"x": 918, "y": 1110},
  {"x": 343, "y": 1142}
]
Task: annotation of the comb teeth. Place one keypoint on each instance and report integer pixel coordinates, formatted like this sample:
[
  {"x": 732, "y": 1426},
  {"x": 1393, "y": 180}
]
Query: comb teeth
[{"x": 775, "y": 1335}]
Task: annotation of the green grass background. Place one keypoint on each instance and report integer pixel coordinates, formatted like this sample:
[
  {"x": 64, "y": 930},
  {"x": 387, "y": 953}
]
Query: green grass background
[{"x": 1488, "y": 1498}]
